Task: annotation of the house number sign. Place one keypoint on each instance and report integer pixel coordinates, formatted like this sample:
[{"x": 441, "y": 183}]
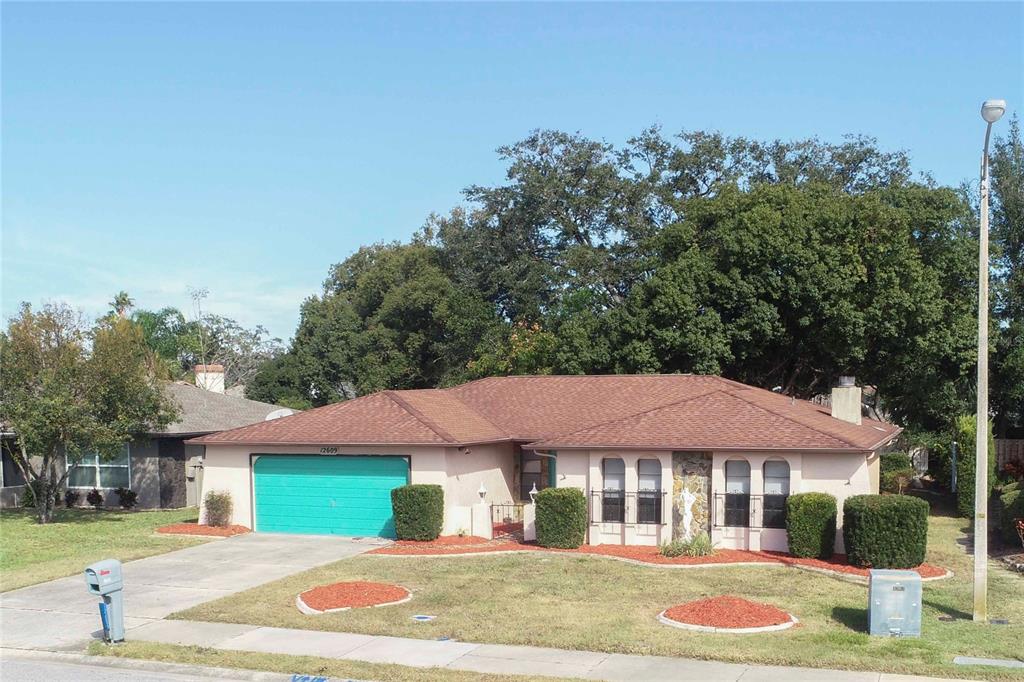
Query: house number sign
[{"x": 329, "y": 451}]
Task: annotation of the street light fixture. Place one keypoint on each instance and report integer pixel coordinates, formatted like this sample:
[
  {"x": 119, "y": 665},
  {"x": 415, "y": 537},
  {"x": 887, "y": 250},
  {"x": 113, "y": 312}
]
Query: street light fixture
[{"x": 991, "y": 110}]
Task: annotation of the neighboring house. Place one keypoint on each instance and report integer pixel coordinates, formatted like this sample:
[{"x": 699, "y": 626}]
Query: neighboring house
[
  {"x": 658, "y": 456},
  {"x": 159, "y": 466}
]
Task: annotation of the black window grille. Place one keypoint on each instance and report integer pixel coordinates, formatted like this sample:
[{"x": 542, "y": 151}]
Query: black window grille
[
  {"x": 648, "y": 507},
  {"x": 737, "y": 510},
  {"x": 613, "y": 506},
  {"x": 774, "y": 511}
]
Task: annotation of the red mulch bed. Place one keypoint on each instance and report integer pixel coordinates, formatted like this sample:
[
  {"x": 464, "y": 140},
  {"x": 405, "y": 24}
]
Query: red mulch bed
[
  {"x": 356, "y": 594},
  {"x": 727, "y": 612},
  {"x": 839, "y": 564},
  {"x": 474, "y": 545},
  {"x": 197, "y": 529},
  {"x": 443, "y": 541}
]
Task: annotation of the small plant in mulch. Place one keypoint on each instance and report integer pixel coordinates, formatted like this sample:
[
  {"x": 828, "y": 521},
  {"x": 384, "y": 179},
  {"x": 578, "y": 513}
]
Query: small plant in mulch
[
  {"x": 218, "y": 507},
  {"x": 350, "y": 595},
  {"x": 95, "y": 498},
  {"x": 727, "y": 613},
  {"x": 126, "y": 498},
  {"x": 699, "y": 545},
  {"x": 197, "y": 529},
  {"x": 72, "y": 498}
]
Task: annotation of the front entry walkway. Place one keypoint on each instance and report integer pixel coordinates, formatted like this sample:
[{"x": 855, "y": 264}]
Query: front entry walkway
[
  {"x": 61, "y": 614},
  {"x": 484, "y": 658}
]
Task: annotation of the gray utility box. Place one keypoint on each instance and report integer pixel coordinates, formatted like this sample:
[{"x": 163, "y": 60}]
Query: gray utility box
[
  {"x": 104, "y": 579},
  {"x": 894, "y": 603}
]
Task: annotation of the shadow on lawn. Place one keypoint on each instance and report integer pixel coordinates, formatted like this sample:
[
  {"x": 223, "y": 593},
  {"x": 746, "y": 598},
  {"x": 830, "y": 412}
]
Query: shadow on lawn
[
  {"x": 857, "y": 619},
  {"x": 854, "y": 619},
  {"x": 73, "y": 516}
]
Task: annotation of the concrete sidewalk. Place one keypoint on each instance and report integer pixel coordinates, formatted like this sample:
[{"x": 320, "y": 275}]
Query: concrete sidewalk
[
  {"x": 484, "y": 658},
  {"x": 60, "y": 614}
]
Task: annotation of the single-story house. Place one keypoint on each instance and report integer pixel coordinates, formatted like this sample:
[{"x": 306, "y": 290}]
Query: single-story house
[
  {"x": 164, "y": 471},
  {"x": 657, "y": 456}
]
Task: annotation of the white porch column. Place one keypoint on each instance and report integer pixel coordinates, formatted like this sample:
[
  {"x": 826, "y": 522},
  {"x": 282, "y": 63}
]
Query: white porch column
[
  {"x": 481, "y": 520},
  {"x": 529, "y": 522}
]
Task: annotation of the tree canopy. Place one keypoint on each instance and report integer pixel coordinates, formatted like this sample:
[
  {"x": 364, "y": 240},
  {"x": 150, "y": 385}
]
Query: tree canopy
[
  {"x": 69, "y": 390},
  {"x": 781, "y": 264}
]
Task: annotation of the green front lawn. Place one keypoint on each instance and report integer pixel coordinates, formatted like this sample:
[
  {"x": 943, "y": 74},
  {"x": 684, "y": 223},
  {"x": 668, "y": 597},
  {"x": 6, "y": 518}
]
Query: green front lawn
[
  {"x": 581, "y": 602},
  {"x": 31, "y": 553}
]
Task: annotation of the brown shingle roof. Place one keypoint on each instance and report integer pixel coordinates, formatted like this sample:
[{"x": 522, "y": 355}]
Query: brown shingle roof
[
  {"x": 671, "y": 411},
  {"x": 203, "y": 411}
]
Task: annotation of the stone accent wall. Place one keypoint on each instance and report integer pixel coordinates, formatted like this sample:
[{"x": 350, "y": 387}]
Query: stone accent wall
[{"x": 691, "y": 494}]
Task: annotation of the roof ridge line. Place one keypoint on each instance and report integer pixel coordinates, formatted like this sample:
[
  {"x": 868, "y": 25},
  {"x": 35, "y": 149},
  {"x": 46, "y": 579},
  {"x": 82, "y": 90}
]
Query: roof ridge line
[
  {"x": 422, "y": 418},
  {"x": 629, "y": 416},
  {"x": 795, "y": 421}
]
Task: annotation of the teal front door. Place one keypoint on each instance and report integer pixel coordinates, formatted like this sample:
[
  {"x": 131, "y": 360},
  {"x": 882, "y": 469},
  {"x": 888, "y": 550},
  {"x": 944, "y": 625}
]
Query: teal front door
[{"x": 327, "y": 495}]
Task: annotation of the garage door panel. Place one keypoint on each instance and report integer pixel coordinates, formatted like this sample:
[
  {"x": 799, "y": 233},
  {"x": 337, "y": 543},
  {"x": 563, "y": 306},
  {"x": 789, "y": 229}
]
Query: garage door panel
[{"x": 344, "y": 495}]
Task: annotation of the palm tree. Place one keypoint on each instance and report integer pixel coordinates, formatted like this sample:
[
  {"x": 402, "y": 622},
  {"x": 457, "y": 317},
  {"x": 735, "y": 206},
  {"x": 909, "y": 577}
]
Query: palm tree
[{"x": 122, "y": 303}]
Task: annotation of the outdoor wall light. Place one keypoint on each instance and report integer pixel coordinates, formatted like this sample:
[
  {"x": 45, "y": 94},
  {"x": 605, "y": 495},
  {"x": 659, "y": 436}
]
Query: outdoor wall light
[
  {"x": 533, "y": 492},
  {"x": 482, "y": 492}
]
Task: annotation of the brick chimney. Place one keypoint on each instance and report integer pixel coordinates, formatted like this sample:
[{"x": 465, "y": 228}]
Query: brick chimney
[
  {"x": 210, "y": 377},
  {"x": 846, "y": 400}
]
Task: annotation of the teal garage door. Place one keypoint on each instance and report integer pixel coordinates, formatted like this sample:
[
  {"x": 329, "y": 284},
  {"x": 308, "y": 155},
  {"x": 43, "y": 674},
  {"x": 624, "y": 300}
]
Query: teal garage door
[{"x": 321, "y": 495}]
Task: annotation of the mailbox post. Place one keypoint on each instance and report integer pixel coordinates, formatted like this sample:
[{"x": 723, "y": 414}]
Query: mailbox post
[{"x": 104, "y": 580}]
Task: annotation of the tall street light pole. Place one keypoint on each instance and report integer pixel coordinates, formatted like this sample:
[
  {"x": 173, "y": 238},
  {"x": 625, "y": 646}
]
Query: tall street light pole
[{"x": 991, "y": 110}]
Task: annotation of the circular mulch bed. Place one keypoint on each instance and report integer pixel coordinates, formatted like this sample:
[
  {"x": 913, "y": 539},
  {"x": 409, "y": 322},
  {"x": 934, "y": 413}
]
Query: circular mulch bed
[
  {"x": 727, "y": 614},
  {"x": 197, "y": 529},
  {"x": 350, "y": 595}
]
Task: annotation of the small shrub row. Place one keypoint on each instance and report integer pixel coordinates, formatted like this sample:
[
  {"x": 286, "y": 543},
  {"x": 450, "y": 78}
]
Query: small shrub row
[
  {"x": 419, "y": 511},
  {"x": 561, "y": 517}
]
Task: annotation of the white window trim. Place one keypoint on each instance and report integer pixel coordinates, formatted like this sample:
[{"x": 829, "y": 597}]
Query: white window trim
[{"x": 96, "y": 470}]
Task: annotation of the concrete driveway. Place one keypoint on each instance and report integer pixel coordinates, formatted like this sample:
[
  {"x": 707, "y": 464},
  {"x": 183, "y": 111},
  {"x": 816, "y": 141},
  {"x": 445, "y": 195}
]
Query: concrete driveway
[{"x": 61, "y": 614}]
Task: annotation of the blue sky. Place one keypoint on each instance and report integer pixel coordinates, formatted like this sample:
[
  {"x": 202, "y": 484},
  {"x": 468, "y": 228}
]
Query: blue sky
[{"x": 245, "y": 148}]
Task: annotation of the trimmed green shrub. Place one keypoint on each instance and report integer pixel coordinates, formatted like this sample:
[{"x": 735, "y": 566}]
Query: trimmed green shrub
[
  {"x": 964, "y": 434},
  {"x": 218, "y": 508},
  {"x": 885, "y": 531},
  {"x": 561, "y": 517},
  {"x": 895, "y": 461},
  {"x": 1011, "y": 509},
  {"x": 811, "y": 525},
  {"x": 419, "y": 511}
]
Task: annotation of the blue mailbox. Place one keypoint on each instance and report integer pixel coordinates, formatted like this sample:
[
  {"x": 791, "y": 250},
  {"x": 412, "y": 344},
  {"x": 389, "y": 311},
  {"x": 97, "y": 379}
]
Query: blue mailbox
[{"x": 104, "y": 580}]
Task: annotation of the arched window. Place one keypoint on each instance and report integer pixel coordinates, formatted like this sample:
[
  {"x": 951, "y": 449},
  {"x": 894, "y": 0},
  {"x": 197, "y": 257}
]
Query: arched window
[
  {"x": 649, "y": 495},
  {"x": 776, "y": 490},
  {"x": 613, "y": 496},
  {"x": 737, "y": 493}
]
